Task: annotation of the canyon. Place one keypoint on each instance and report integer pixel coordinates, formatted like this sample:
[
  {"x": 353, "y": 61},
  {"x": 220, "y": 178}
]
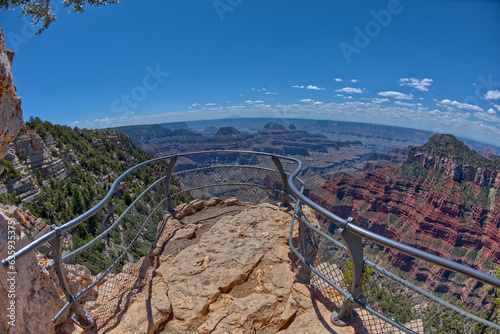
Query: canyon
[{"x": 442, "y": 199}]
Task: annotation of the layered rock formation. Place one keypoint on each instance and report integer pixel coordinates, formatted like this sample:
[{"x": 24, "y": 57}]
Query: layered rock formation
[
  {"x": 446, "y": 154},
  {"x": 11, "y": 115},
  {"x": 429, "y": 203},
  {"x": 273, "y": 138},
  {"x": 382, "y": 160},
  {"x": 31, "y": 153},
  {"x": 319, "y": 154}
]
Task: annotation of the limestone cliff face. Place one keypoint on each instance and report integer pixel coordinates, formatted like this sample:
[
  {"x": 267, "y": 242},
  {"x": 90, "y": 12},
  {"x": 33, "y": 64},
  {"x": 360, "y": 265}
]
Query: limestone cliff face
[
  {"x": 426, "y": 209},
  {"x": 37, "y": 296},
  {"x": 446, "y": 154},
  {"x": 30, "y": 152},
  {"x": 11, "y": 115},
  {"x": 457, "y": 171}
]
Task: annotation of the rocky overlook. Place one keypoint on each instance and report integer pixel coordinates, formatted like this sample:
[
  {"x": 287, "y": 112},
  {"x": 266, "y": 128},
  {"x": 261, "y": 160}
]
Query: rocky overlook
[
  {"x": 430, "y": 203},
  {"x": 219, "y": 266},
  {"x": 11, "y": 115}
]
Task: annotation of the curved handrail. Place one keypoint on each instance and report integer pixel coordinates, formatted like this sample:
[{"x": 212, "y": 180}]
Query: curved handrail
[
  {"x": 379, "y": 269},
  {"x": 58, "y": 230},
  {"x": 398, "y": 246},
  {"x": 290, "y": 190}
]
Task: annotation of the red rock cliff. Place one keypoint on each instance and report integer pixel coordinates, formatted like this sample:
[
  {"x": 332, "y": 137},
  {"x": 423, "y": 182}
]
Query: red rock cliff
[{"x": 433, "y": 205}]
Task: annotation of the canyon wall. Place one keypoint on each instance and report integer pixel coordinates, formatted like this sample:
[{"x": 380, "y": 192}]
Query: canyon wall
[
  {"x": 11, "y": 115},
  {"x": 443, "y": 204}
]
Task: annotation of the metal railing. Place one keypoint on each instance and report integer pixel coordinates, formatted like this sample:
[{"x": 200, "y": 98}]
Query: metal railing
[
  {"x": 94, "y": 273},
  {"x": 351, "y": 280}
]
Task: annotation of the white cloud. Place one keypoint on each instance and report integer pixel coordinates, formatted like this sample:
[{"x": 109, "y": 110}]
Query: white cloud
[
  {"x": 195, "y": 104},
  {"x": 497, "y": 106},
  {"x": 459, "y": 105},
  {"x": 318, "y": 102},
  {"x": 354, "y": 80},
  {"x": 492, "y": 95},
  {"x": 421, "y": 85},
  {"x": 339, "y": 95},
  {"x": 488, "y": 117},
  {"x": 306, "y": 100},
  {"x": 297, "y": 86},
  {"x": 378, "y": 100},
  {"x": 249, "y": 101},
  {"x": 76, "y": 122},
  {"x": 349, "y": 97},
  {"x": 480, "y": 126},
  {"x": 271, "y": 93},
  {"x": 258, "y": 101},
  {"x": 210, "y": 104},
  {"x": 350, "y": 90},
  {"x": 315, "y": 87},
  {"x": 491, "y": 111},
  {"x": 338, "y": 79},
  {"x": 448, "y": 108},
  {"x": 396, "y": 95},
  {"x": 406, "y": 104}
]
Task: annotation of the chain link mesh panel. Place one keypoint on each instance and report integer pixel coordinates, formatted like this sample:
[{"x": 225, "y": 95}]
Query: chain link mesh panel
[
  {"x": 100, "y": 274},
  {"x": 104, "y": 268},
  {"x": 247, "y": 183},
  {"x": 329, "y": 258},
  {"x": 391, "y": 297}
]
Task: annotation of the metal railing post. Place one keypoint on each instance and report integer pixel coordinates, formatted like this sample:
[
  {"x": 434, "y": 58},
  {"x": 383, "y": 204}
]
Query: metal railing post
[
  {"x": 279, "y": 167},
  {"x": 345, "y": 315},
  {"x": 170, "y": 171},
  {"x": 79, "y": 315}
]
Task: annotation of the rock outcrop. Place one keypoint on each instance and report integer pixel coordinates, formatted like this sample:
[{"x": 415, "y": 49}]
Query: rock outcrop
[
  {"x": 26, "y": 284},
  {"x": 31, "y": 153},
  {"x": 428, "y": 206},
  {"x": 11, "y": 115},
  {"x": 446, "y": 154},
  {"x": 42, "y": 154},
  {"x": 230, "y": 273}
]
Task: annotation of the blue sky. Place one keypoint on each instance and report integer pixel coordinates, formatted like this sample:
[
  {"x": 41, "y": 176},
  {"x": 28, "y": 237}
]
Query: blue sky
[{"x": 425, "y": 64}]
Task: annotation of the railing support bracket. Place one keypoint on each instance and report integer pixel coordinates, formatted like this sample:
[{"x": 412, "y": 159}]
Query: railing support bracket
[
  {"x": 354, "y": 246},
  {"x": 279, "y": 167},
  {"x": 79, "y": 316},
  {"x": 170, "y": 171},
  {"x": 345, "y": 315}
]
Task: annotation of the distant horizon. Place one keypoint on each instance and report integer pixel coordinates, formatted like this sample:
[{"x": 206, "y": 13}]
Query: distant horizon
[
  {"x": 460, "y": 137},
  {"x": 426, "y": 65}
]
